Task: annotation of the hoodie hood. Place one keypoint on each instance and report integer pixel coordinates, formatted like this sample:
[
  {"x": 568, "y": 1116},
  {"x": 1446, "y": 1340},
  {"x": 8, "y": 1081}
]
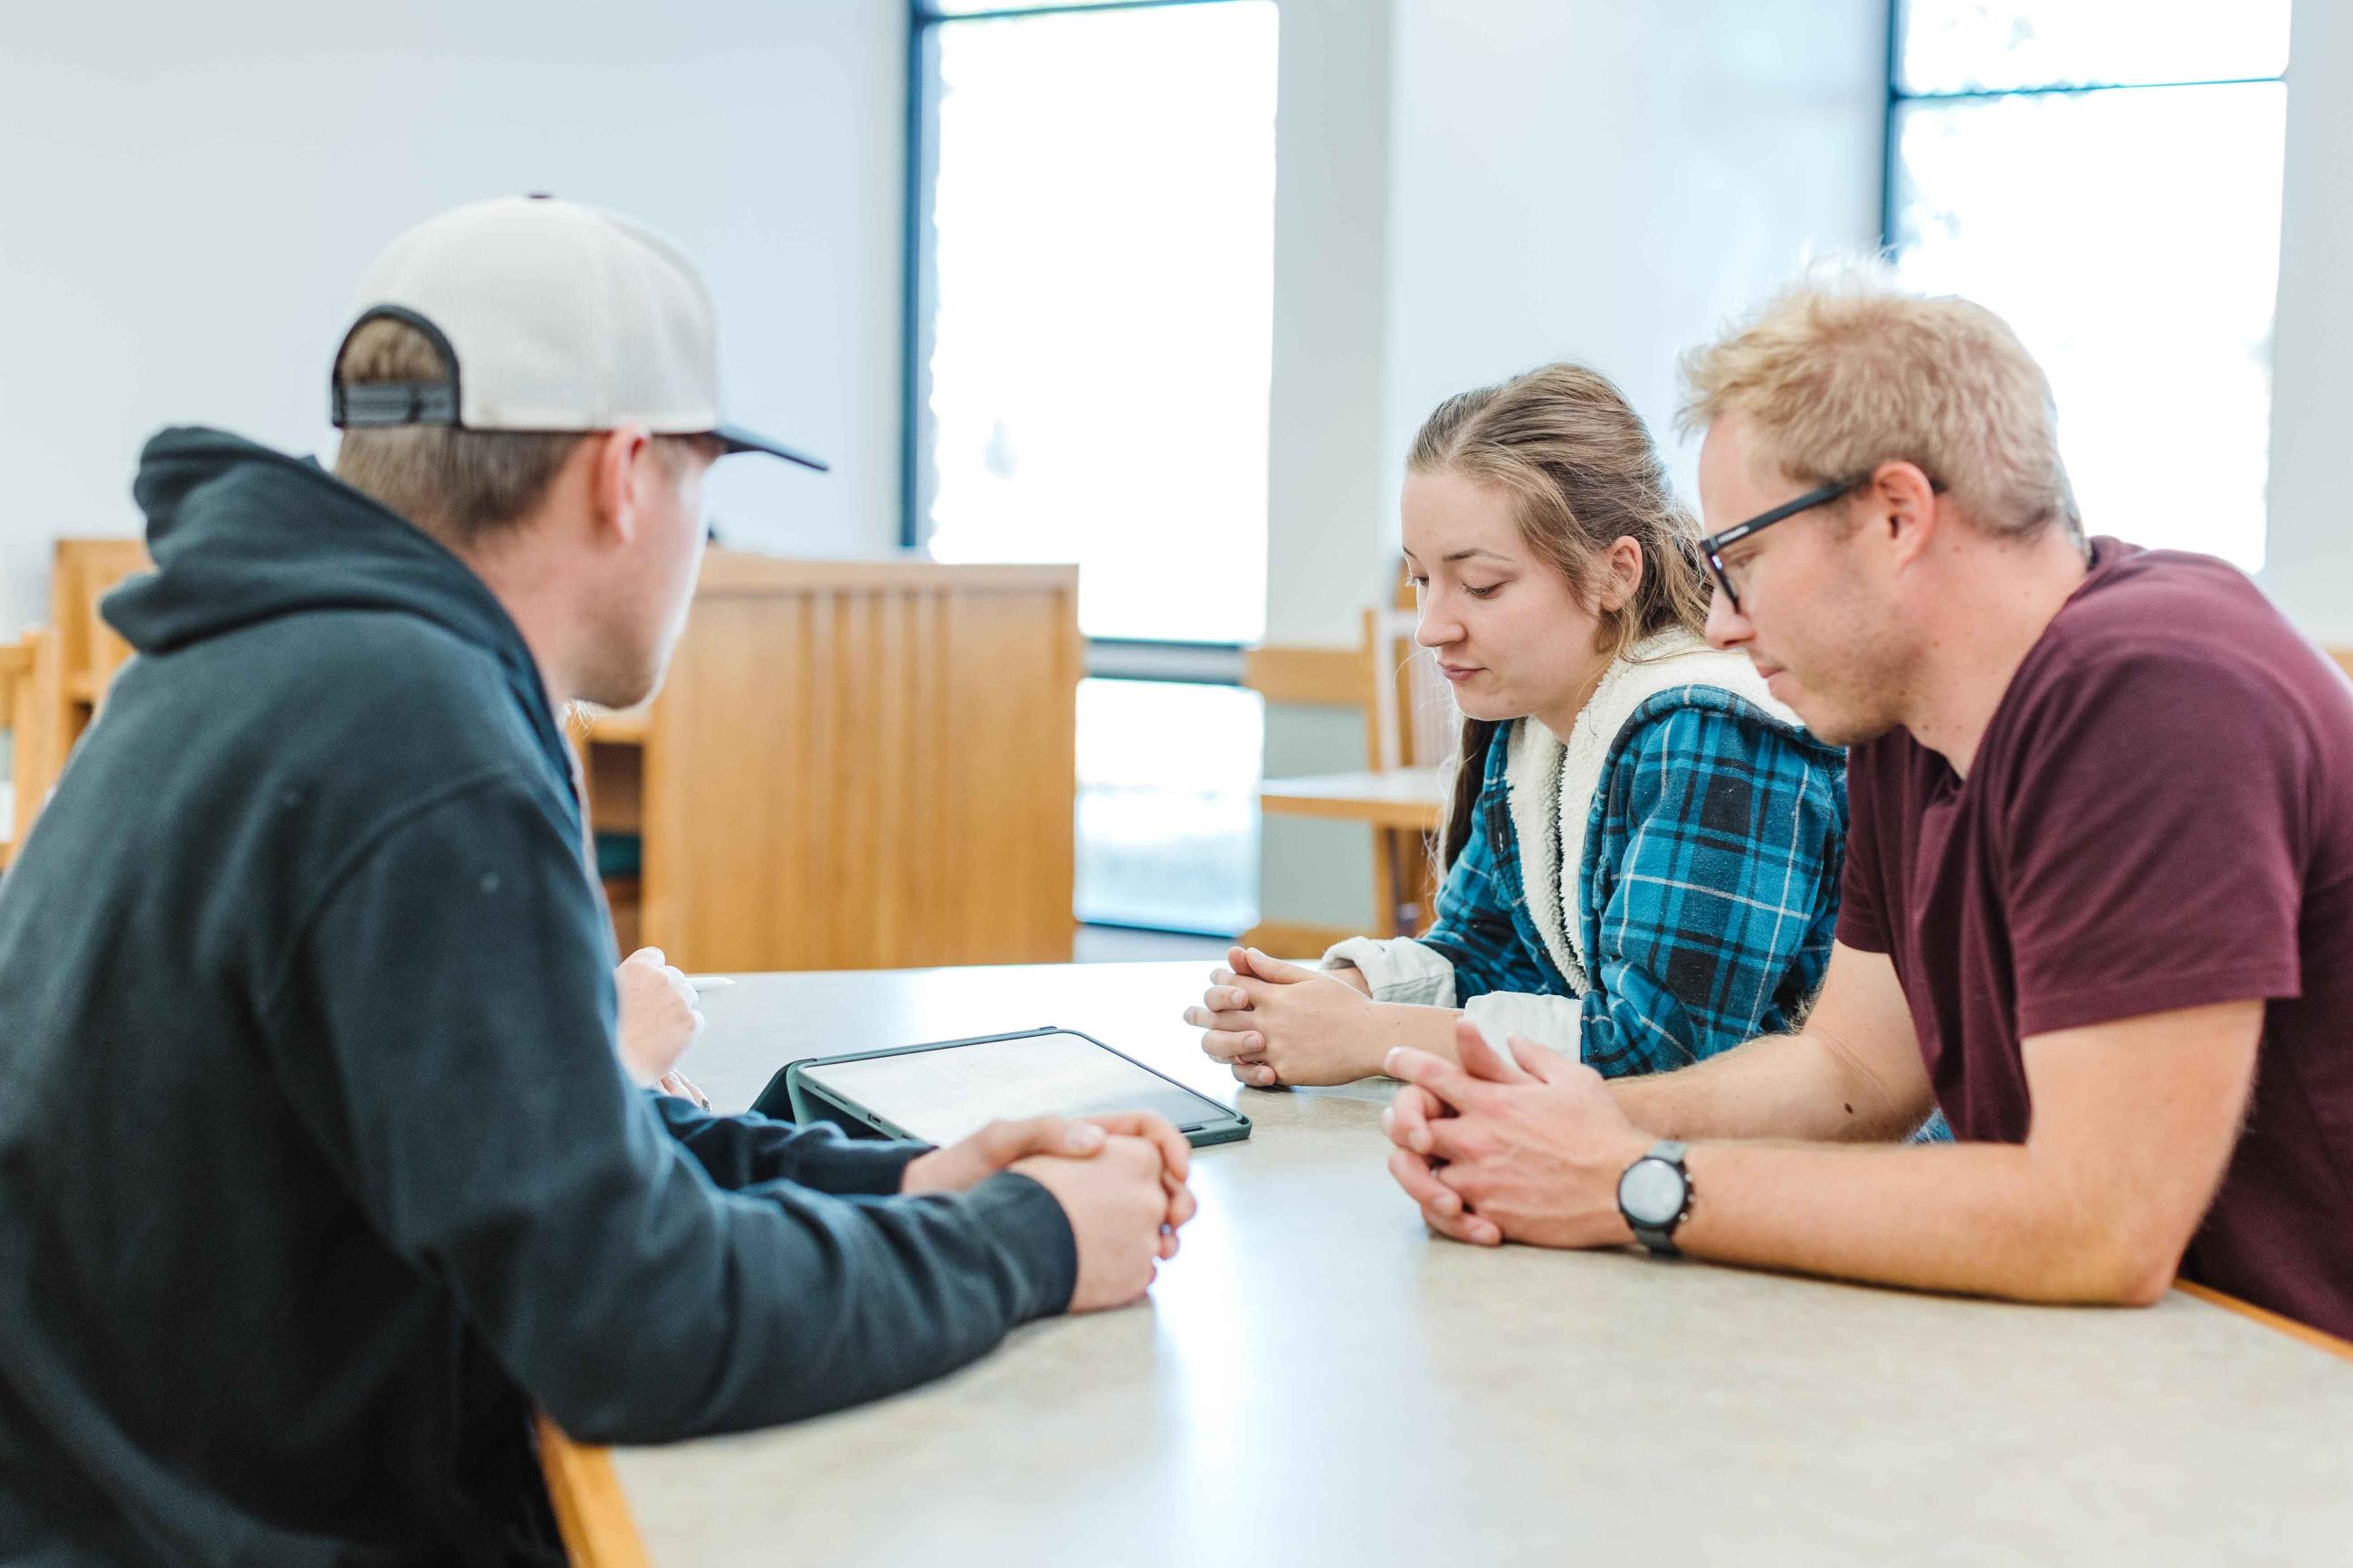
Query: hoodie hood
[{"x": 242, "y": 534}]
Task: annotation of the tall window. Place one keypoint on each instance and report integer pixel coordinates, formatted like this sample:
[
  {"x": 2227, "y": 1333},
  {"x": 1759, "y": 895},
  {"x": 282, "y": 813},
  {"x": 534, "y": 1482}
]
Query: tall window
[
  {"x": 2106, "y": 174},
  {"x": 1091, "y": 246}
]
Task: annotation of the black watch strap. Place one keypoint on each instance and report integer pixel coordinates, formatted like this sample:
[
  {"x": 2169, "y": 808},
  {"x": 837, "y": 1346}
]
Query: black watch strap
[{"x": 1661, "y": 1238}]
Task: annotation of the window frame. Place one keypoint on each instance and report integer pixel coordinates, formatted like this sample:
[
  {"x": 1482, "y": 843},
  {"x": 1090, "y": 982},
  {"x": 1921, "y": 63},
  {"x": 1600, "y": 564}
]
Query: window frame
[{"x": 1891, "y": 137}]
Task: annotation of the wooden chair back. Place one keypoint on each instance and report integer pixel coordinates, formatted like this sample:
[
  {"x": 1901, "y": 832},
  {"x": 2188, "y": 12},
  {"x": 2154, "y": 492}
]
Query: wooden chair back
[
  {"x": 32, "y": 701},
  {"x": 1410, "y": 719},
  {"x": 84, "y": 572}
]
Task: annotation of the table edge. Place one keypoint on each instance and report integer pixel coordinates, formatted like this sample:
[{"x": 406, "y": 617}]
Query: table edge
[{"x": 2319, "y": 1338}]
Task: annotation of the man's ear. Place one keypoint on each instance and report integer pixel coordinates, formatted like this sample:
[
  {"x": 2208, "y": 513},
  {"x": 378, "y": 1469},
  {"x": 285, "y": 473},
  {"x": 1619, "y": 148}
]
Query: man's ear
[
  {"x": 1900, "y": 501},
  {"x": 617, "y": 460}
]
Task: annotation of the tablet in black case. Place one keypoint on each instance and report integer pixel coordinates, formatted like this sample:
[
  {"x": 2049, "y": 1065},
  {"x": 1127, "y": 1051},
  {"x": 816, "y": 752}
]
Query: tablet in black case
[{"x": 944, "y": 1090}]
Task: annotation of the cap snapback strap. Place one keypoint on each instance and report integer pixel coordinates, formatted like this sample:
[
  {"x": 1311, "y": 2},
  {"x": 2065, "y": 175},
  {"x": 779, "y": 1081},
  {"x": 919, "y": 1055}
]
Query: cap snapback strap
[{"x": 381, "y": 404}]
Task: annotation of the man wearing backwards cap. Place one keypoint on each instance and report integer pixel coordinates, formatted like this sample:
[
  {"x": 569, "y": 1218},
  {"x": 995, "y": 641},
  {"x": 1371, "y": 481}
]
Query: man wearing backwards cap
[{"x": 317, "y": 1169}]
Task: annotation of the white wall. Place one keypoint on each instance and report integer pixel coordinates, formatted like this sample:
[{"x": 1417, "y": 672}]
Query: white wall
[
  {"x": 188, "y": 194},
  {"x": 1326, "y": 405},
  {"x": 2308, "y": 555},
  {"x": 1608, "y": 182},
  {"x": 1562, "y": 177}
]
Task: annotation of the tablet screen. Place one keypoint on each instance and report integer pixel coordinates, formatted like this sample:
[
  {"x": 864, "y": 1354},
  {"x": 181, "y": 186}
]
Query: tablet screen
[{"x": 944, "y": 1095}]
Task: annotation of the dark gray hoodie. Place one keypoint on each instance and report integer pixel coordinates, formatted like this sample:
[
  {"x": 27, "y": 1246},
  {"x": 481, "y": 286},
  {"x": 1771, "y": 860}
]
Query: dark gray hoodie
[{"x": 317, "y": 1167}]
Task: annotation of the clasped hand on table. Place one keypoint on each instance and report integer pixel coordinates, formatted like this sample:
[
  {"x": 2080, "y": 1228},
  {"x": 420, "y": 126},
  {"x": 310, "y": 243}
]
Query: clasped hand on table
[
  {"x": 1516, "y": 1145},
  {"x": 1524, "y": 1146},
  {"x": 1120, "y": 1179},
  {"x": 1275, "y": 1023}
]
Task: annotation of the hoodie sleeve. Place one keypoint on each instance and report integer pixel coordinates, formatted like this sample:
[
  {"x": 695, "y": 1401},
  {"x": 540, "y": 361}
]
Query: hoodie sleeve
[
  {"x": 445, "y": 1027},
  {"x": 739, "y": 1152},
  {"x": 1717, "y": 884}
]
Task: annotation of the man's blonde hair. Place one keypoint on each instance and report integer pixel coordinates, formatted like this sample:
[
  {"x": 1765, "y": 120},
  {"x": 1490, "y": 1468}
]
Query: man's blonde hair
[
  {"x": 1845, "y": 370},
  {"x": 461, "y": 485}
]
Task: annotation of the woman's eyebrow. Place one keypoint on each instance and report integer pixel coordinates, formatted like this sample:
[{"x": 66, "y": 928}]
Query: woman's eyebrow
[{"x": 1491, "y": 554}]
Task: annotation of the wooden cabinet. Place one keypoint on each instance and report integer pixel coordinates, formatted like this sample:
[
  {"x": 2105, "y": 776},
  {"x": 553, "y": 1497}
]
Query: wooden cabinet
[{"x": 854, "y": 765}]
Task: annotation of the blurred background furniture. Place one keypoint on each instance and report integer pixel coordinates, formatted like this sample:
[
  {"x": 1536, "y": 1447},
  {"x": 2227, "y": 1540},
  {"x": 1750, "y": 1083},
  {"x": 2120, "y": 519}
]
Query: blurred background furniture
[
  {"x": 1410, "y": 733},
  {"x": 32, "y": 699},
  {"x": 83, "y": 572},
  {"x": 852, "y": 764},
  {"x": 52, "y": 676}
]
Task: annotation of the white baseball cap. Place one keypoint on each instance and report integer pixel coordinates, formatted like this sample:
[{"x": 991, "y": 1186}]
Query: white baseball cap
[{"x": 551, "y": 316}]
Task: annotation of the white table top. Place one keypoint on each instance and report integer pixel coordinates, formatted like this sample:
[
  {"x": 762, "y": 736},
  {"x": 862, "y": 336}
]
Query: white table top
[
  {"x": 1317, "y": 1379},
  {"x": 1394, "y": 797}
]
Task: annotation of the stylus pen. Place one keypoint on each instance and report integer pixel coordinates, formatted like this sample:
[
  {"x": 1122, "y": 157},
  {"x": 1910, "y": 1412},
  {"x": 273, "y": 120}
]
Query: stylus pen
[{"x": 706, "y": 982}]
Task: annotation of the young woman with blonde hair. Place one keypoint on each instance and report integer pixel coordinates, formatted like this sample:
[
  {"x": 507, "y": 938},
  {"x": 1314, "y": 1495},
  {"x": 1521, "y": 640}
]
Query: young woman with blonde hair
[{"x": 1640, "y": 863}]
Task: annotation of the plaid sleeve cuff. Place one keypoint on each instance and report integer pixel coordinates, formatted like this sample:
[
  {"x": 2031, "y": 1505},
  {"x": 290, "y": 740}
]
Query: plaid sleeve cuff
[
  {"x": 1555, "y": 1023},
  {"x": 1398, "y": 969}
]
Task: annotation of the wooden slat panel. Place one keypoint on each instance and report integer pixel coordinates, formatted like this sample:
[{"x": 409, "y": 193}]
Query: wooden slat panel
[
  {"x": 858, "y": 766},
  {"x": 857, "y": 770},
  {"x": 1013, "y": 785},
  {"x": 904, "y": 695}
]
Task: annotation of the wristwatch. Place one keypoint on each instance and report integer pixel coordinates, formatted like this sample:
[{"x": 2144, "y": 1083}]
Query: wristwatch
[{"x": 1655, "y": 1196}]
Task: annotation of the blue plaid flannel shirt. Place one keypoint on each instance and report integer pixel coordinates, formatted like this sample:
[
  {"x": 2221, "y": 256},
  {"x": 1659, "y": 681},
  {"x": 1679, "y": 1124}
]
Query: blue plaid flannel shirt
[{"x": 1711, "y": 885}]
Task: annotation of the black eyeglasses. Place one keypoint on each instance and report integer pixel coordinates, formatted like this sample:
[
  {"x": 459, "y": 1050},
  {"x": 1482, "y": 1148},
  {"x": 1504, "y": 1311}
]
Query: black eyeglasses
[{"x": 1715, "y": 544}]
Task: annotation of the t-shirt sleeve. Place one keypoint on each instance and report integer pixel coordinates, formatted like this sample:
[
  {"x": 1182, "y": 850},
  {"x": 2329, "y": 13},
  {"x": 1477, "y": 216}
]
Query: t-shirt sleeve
[
  {"x": 1861, "y": 922},
  {"x": 2156, "y": 828}
]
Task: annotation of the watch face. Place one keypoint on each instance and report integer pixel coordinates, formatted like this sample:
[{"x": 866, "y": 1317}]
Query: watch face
[{"x": 1651, "y": 1192}]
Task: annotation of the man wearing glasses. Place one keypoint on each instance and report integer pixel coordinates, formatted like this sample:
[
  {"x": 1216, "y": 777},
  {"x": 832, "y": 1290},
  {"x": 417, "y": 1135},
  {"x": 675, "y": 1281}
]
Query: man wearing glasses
[{"x": 2098, "y": 892}]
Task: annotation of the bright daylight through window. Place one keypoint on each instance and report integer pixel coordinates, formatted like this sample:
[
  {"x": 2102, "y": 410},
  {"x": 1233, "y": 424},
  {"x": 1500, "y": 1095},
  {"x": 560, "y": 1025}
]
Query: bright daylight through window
[
  {"x": 2106, "y": 175},
  {"x": 1092, "y": 230}
]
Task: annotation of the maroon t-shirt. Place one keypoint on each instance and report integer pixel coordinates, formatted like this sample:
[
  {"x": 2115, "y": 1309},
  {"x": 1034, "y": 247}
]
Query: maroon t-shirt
[{"x": 2160, "y": 816}]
